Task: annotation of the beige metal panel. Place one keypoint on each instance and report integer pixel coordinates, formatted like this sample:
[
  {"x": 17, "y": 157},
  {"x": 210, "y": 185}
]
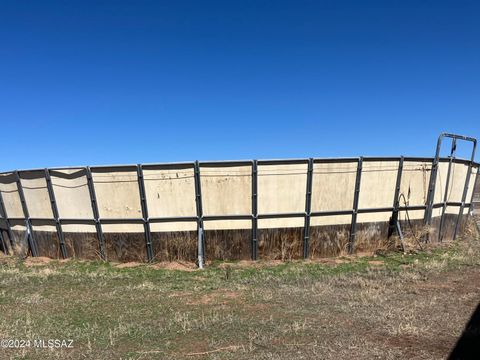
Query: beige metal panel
[
  {"x": 330, "y": 220},
  {"x": 40, "y": 228},
  {"x": 414, "y": 186},
  {"x": 18, "y": 227},
  {"x": 117, "y": 194},
  {"x": 437, "y": 212},
  {"x": 333, "y": 185},
  {"x": 227, "y": 224},
  {"x": 78, "y": 228},
  {"x": 170, "y": 193},
  {"x": 459, "y": 173},
  {"x": 281, "y": 188},
  {"x": 455, "y": 189},
  {"x": 280, "y": 223},
  {"x": 173, "y": 226},
  {"x": 442, "y": 172},
  {"x": 415, "y": 180},
  {"x": 72, "y": 194},
  {"x": 122, "y": 228},
  {"x": 373, "y": 217},
  {"x": 452, "y": 210},
  {"x": 471, "y": 185},
  {"x": 476, "y": 191},
  {"x": 226, "y": 190},
  {"x": 458, "y": 178},
  {"x": 11, "y": 199},
  {"x": 377, "y": 186},
  {"x": 36, "y": 194}
]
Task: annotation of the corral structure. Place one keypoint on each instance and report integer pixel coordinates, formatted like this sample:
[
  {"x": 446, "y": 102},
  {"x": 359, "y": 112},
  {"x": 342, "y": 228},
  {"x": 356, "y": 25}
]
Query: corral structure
[{"x": 228, "y": 210}]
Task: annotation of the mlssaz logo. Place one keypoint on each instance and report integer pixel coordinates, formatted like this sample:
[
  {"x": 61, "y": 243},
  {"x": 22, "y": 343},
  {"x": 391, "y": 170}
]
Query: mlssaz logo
[{"x": 53, "y": 344}]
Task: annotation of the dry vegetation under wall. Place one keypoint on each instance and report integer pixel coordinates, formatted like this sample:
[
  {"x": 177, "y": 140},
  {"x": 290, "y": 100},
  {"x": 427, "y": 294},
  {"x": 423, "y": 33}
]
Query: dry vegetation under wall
[{"x": 273, "y": 244}]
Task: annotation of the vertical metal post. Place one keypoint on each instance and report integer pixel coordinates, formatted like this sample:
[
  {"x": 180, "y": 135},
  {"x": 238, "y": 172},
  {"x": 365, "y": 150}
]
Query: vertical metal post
[
  {"x": 198, "y": 203},
  {"x": 398, "y": 183},
  {"x": 394, "y": 224},
  {"x": 96, "y": 216},
  {"x": 4, "y": 244},
  {"x": 447, "y": 184},
  {"x": 400, "y": 235},
  {"x": 56, "y": 216},
  {"x": 29, "y": 237},
  {"x": 7, "y": 221},
  {"x": 254, "y": 210},
  {"x": 427, "y": 218},
  {"x": 28, "y": 223},
  {"x": 146, "y": 222},
  {"x": 464, "y": 197},
  {"x": 431, "y": 185},
  {"x": 308, "y": 209},
  {"x": 353, "y": 226}
]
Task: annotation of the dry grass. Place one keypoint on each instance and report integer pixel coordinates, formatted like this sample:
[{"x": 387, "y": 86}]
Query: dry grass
[{"x": 387, "y": 306}]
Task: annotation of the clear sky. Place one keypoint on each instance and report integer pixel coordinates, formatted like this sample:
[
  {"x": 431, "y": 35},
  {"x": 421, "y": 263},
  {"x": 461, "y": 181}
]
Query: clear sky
[{"x": 106, "y": 82}]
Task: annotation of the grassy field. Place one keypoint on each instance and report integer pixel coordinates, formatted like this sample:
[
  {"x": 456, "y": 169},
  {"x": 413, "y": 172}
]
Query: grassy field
[{"x": 388, "y": 306}]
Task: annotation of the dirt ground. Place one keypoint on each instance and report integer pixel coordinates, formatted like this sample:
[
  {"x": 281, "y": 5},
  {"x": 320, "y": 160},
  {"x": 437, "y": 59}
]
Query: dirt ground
[{"x": 392, "y": 306}]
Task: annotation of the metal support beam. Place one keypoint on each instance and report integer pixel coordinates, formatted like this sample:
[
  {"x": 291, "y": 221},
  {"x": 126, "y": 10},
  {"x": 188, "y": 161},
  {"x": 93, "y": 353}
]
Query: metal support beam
[
  {"x": 172, "y": 219},
  {"x": 400, "y": 235},
  {"x": 96, "y": 216},
  {"x": 199, "y": 207},
  {"x": 56, "y": 216},
  {"x": 398, "y": 183},
  {"x": 281, "y": 215},
  {"x": 396, "y": 200},
  {"x": 4, "y": 243},
  {"x": 308, "y": 209},
  {"x": 29, "y": 232},
  {"x": 184, "y": 165},
  {"x": 7, "y": 221},
  {"x": 353, "y": 226},
  {"x": 29, "y": 239},
  {"x": 146, "y": 223},
  {"x": 254, "y": 210},
  {"x": 447, "y": 184},
  {"x": 431, "y": 191}
]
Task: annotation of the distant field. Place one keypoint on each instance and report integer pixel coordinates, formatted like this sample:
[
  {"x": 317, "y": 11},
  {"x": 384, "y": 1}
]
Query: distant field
[{"x": 386, "y": 307}]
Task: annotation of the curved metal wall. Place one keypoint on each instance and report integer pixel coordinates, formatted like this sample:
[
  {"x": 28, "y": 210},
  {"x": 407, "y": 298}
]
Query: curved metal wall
[{"x": 243, "y": 196}]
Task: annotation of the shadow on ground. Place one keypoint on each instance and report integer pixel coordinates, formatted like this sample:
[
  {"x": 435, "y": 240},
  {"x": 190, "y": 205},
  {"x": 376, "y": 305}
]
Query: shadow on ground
[{"x": 468, "y": 345}]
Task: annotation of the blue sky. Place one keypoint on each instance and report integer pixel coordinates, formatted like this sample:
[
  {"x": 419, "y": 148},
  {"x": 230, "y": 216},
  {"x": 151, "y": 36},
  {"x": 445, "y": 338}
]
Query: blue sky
[{"x": 105, "y": 82}]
